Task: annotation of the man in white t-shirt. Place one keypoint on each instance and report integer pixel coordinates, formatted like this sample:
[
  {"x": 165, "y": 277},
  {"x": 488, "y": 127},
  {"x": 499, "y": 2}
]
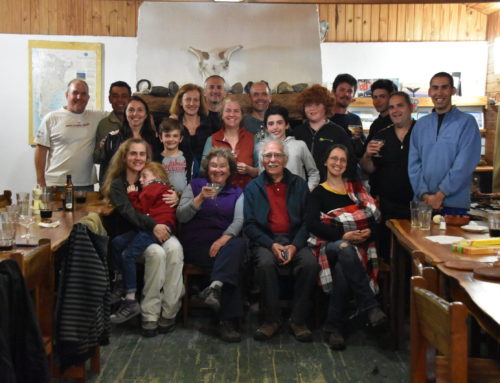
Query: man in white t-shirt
[{"x": 66, "y": 139}]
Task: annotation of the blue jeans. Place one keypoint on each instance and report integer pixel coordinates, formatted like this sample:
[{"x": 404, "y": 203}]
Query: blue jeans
[
  {"x": 125, "y": 249},
  {"x": 349, "y": 276}
]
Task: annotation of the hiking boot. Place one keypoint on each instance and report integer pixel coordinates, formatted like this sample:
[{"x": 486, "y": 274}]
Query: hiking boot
[
  {"x": 301, "y": 332},
  {"x": 228, "y": 332},
  {"x": 211, "y": 297},
  {"x": 335, "y": 340},
  {"x": 266, "y": 331},
  {"x": 128, "y": 309},
  {"x": 376, "y": 317},
  {"x": 117, "y": 294},
  {"x": 149, "y": 329},
  {"x": 166, "y": 325}
]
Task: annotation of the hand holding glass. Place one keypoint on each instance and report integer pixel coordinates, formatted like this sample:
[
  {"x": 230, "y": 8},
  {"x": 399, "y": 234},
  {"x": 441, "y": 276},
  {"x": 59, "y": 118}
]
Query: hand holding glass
[
  {"x": 216, "y": 188},
  {"x": 380, "y": 142}
]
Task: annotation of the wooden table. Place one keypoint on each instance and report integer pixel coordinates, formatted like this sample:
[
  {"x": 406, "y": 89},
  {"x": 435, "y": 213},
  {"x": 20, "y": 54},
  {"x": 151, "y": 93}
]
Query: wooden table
[
  {"x": 67, "y": 219},
  {"x": 481, "y": 297}
]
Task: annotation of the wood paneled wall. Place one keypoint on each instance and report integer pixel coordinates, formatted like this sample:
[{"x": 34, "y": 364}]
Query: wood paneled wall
[
  {"x": 402, "y": 22},
  {"x": 70, "y": 17},
  {"x": 348, "y": 22}
]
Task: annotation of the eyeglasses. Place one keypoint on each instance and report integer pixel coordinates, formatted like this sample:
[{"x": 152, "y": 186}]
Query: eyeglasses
[
  {"x": 338, "y": 159},
  {"x": 278, "y": 156}
]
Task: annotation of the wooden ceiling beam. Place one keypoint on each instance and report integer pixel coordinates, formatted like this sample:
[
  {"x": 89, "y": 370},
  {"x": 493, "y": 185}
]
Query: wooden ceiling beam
[{"x": 489, "y": 5}]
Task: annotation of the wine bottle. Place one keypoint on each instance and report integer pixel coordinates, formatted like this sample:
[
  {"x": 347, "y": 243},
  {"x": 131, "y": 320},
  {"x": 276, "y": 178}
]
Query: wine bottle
[{"x": 69, "y": 199}]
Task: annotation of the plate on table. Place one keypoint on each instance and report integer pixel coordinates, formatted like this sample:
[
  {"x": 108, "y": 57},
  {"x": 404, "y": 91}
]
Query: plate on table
[
  {"x": 474, "y": 227},
  {"x": 465, "y": 265},
  {"x": 491, "y": 273}
]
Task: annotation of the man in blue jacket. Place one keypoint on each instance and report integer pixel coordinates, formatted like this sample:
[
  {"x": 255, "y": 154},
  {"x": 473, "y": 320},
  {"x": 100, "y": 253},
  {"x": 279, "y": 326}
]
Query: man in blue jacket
[
  {"x": 445, "y": 148},
  {"x": 274, "y": 209}
]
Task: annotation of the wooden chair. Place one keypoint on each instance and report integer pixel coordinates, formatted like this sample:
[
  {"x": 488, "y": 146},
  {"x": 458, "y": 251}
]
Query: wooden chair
[
  {"x": 443, "y": 326},
  {"x": 420, "y": 268},
  {"x": 37, "y": 267},
  {"x": 38, "y": 270},
  {"x": 188, "y": 271},
  {"x": 5, "y": 198}
]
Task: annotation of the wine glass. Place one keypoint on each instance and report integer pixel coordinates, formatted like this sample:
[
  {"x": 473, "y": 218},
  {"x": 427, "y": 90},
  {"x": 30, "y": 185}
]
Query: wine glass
[
  {"x": 26, "y": 220},
  {"x": 380, "y": 143}
]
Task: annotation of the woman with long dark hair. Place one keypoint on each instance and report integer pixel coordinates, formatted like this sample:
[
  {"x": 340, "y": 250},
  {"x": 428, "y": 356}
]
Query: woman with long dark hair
[
  {"x": 137, "y": 124},
  {"x": 341, "y": 218}
]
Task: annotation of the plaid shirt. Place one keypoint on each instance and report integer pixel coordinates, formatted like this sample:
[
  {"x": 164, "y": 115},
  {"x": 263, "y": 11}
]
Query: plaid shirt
[{"x": 351, "y": 217}]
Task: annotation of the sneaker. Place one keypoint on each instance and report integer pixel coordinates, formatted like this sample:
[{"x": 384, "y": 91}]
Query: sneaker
[
  {"x": 301, "y": 332},
  {"x": 376, "y": 317},
  {"x": 335, "y": 340},
  {"x": 127, "y": 310},
  {"x": 117, "y": 294},
  {"x": 228, "y": 332},
  {"x": 166, "y": 325},
  {"x": 149, "y": 329},
  {"x": 266, "y": 331},
  {"x": 211, "y": 297}
]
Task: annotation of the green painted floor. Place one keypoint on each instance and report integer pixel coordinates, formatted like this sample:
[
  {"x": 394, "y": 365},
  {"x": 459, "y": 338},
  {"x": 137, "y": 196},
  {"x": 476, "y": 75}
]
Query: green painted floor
[{"x": 195, "y": 354}]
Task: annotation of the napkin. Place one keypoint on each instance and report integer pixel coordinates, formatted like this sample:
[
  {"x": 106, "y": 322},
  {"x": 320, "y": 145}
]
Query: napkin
[
  {"x": 49, "y": 224},
  {"x": 444, "y": 239}
]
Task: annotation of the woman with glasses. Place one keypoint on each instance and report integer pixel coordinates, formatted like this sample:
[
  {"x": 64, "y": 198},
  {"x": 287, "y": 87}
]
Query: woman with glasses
[{"x": 341, "y": 217}]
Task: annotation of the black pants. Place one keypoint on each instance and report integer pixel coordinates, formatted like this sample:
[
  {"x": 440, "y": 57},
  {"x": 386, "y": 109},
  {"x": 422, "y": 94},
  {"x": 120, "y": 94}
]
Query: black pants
[
  {"x": 304, "y": 270},
  {"x": 225, "y": 267},
  {"x": 349, "y": 276}
]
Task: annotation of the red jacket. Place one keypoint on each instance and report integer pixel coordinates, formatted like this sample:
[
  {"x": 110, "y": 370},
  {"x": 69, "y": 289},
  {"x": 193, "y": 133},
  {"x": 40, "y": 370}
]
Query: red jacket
[{"x": 150, "y": 202}]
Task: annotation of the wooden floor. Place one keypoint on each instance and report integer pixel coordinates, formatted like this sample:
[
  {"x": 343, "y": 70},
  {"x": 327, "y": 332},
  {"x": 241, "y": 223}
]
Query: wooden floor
[{"x": 195, "y": 354}]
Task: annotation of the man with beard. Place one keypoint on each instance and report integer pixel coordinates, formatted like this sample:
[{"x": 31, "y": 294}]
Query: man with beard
[
  {"x": 381, "y": 91},
  {"x": 119, "y": 94},
  {"x": 214, "y": 93},
  {"x": 344, "y": 87},
  {"x": 260, "y": 97}
]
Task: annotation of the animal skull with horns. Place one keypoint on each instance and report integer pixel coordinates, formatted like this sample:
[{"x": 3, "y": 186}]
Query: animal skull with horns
[{"x": 215, "y": 61}]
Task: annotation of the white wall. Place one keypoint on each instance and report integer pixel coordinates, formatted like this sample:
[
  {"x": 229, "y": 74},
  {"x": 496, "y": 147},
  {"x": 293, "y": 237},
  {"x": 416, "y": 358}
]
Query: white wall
[
  {"x": 16, "y": 156},
  {"x": 280, "y": 41},
  {"x": 410, "y": 62}
]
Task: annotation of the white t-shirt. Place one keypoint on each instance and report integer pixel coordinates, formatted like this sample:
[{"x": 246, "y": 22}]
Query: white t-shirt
[{"x": 70, "y": 138}]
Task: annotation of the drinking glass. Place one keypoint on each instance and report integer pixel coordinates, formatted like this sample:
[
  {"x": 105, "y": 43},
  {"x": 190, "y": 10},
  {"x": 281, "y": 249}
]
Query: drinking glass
[
  {"x": 26, "y": 220},
  {"x": 23, "y": 201},
  {"x": 46, "y": 206},
  {"x": 216, "y": 188},
  {"x": 424, "y": 216},
  {"x": 80, "y": 196},
  {"x": 7, "y": 232},
  {"x": 354, "y": 129},
  {"x": 13, "y": 213},
  {"x": 414, "y": 213},
  {"x": 380, "y": 143},
  {"x": 494, "y": 223}
]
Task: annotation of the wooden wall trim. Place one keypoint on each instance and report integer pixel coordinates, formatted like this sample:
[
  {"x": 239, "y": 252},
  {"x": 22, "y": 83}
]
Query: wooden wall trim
[
  {"x": 403, "y": 22},
  {"x": 354, "y": 20}
]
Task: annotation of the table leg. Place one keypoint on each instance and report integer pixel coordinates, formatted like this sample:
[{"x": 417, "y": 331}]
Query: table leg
[{"x": 397, "y": 304}]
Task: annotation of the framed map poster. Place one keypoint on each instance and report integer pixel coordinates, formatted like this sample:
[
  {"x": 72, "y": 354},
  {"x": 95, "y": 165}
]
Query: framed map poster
[{"x": 52, "y": 64}]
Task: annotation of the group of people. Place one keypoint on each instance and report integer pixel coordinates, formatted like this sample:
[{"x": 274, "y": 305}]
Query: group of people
[{"x": 212, "y": 187}]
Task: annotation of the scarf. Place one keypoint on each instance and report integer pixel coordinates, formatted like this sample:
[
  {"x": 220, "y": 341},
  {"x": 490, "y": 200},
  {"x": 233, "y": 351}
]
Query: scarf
[{"x": 351, "y": 217}]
